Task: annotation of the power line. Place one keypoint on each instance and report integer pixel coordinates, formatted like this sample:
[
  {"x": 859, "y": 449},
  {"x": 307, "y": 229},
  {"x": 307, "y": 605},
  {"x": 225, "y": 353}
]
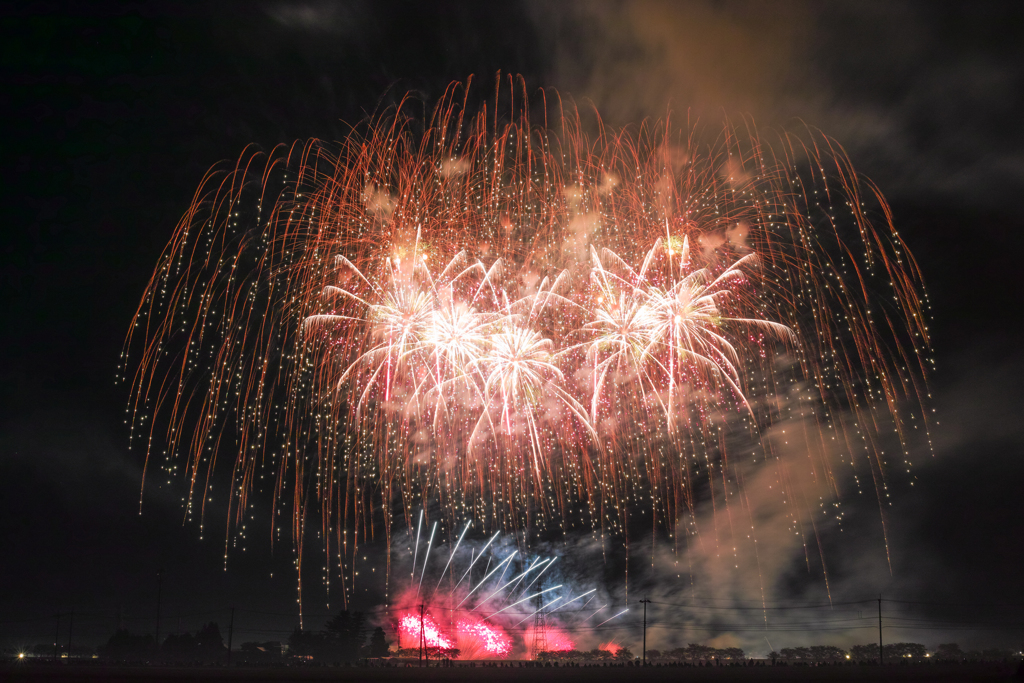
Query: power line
[{"x": 760, "y": 607}]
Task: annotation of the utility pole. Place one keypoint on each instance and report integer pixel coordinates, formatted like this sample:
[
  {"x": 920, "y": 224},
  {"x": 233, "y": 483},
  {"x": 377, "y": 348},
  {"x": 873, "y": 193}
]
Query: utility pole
[
  {"x": 231, "y": 633},
  {"x": 159, "y": 590},
  {"x": 881, "y": 657},
  {"x": 645, "y": 602},
  {"x": 56, "y": 635},
  {"x": 423, "y": 635},
  {"x": 540, "y": 626},
  {"x": 71, "y": 625}
]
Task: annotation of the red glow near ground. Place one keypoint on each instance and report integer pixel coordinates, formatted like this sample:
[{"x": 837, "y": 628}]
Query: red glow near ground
[
  {"x": 557, "y": 640},
  {"x": 409, "y": 632},
  {"x": 490, "y": 638},
  {"x": 475, "y": 638}
]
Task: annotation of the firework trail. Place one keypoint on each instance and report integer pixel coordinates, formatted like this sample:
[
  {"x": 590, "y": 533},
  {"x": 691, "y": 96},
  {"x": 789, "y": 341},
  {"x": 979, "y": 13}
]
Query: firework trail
[
  {"x": 539, "y": 326},
  {"x": 443, "y": 619}
]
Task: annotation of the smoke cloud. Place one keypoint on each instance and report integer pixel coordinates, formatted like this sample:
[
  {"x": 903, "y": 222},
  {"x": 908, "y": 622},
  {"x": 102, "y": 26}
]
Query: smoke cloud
[{"x": 875, "y": 76}]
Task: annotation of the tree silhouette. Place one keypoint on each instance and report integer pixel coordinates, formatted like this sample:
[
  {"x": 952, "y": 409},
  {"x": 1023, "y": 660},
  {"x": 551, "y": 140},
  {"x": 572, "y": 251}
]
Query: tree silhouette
[
  {"x": 378, "y": 643},
  {"x": 306, "y": 644},
  {"x": 261, "y": 652},
  {"x": 697, "y": 651},
  {"x": 345, "y": 635},
  {"x": 815, "y": 653},
  {"x": 864, "y": 652},
  {"x": 827, "y": 653},
  {"x": 210, "y": 642},
  {"x": 126, "y": 645},
  {"x": 180, "y": 646},
  {"x": 895, "y": 651}
]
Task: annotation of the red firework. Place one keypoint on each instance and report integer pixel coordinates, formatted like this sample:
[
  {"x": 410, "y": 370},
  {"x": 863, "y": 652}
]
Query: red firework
[
  {"x": 411, "y": 626},
  {"x": 479, "y": 638},
  {"x": 525, "y": 323}
]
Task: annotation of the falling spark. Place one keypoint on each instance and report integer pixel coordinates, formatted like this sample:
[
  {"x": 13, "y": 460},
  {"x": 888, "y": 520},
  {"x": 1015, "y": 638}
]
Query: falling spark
[{"x": 447, "y": 310}]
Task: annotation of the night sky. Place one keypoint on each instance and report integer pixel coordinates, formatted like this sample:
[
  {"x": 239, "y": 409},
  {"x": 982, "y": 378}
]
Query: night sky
[{"x": 111, "y": 120}]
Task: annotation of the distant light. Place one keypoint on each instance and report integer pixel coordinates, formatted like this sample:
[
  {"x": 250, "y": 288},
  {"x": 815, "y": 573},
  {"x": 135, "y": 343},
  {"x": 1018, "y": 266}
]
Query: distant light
[
  {"x": 21, "y": 655},
  {"x": 847, "y": 656}
]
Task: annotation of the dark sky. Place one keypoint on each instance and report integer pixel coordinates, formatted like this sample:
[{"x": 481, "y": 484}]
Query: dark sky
[{"x": 112, "y": 118}]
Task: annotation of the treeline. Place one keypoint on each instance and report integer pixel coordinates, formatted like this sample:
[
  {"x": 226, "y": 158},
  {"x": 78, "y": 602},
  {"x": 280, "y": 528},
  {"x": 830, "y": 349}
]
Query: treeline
[
  {"x": 344, "y": 638},
  {"x": 205, "y": 645},
  {"x": 427, "y": 652},
  {"x": 595, "y": 655},
  {"x": 892, "y": 652},
  {"x": 693, "y": 652}
]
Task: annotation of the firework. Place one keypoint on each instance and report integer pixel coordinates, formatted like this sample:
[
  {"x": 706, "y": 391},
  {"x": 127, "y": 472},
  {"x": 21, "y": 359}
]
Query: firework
[
  {"x": 494, "y": 615},
  {"x": 537, "y": 326},
  {"x": 473, "y": 639},
  {"x": 413, "y": 630},
  {"x": 667, "y": 332}
]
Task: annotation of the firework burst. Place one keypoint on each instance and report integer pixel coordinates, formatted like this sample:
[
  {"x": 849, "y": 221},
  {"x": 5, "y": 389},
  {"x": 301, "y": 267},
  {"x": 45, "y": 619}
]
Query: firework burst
[
  {"x": 668, "y": 332},
  {"x": 484, "y": 616},
  {"x": 536, "y": 326}
]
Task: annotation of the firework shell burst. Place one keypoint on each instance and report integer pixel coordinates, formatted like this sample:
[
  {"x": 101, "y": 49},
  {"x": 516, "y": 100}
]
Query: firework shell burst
[
  {"x": 534, "y": 325},
  {"x": 474, "y": 638}
]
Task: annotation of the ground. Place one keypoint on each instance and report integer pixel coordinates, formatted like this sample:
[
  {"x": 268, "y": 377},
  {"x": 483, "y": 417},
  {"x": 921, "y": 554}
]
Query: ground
[{"x": 844, "y": 674}]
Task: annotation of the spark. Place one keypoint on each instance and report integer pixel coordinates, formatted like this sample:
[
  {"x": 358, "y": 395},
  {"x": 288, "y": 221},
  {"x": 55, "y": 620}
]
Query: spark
[
  {"x": 426, "y": 558},
  {"x": 610, "y": 618},
  {"x": 487, "y": 576},
  {"x": 514, "y": 579},
  {"x": 476, "y": 559},
  {"x": 452, "y": 556},
  {"x": 416, "y": 549},
  {"x": 540, "y": 609},
  {"x": 528, "y": 597}
]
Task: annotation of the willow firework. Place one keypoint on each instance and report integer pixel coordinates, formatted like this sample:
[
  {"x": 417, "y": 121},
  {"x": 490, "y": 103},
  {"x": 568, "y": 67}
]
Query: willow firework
[{"x": 533, "y": 325}]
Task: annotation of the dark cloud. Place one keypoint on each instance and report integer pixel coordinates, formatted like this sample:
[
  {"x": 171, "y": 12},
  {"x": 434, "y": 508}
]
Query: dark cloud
[
  {"x": 344, "y": 19},
  {"x": 923, "y": 97}
]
